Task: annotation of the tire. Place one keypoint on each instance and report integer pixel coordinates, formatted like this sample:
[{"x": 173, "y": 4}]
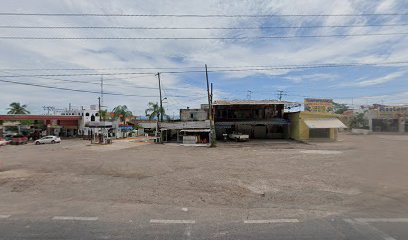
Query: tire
[
  {"x": 37, "y": 143},
  {"x": 52, "y": 142}
]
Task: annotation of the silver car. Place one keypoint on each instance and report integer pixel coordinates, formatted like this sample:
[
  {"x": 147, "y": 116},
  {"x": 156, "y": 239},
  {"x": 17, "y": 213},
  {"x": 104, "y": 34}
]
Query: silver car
[{"x": 47, "y": 139}]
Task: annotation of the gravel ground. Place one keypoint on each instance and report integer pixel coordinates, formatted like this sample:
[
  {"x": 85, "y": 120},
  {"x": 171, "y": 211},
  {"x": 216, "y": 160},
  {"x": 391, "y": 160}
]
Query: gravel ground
[{"x": 357, "y": 173}]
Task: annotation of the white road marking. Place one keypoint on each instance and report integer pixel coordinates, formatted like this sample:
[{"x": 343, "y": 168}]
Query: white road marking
[
  {"x": 289, "y": 220},
  {"x": 367, "y": 230},
  {"x": 184, "y": 209},
  {"x": 75, "y": 218},
  {"x": 384, "y": 220},
  {"x": 4, "y": 216},
  {"x": 168, "y": 221}
]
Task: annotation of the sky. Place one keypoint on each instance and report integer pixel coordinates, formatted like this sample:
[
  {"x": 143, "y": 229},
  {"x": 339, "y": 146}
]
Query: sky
[{"x": 257, "y": 67}]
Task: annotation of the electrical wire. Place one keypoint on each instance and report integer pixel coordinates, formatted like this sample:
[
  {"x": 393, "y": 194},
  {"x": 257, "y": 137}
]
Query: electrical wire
[
  {"x": 204, "y": 38},
  {"x": 80, "y": 90},
  {"x": 197, "y": 15},
  {"x": 201, "y": 28},
  {"x": 210, "y": 67},
  {"x": 218, "y": 69}
]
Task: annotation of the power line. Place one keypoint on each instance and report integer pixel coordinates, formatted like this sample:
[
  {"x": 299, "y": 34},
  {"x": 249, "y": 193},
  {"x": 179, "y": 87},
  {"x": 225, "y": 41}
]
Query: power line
[
  {"x": 203, "y": 38},
  {"x": 217, "y": 69},
  {"x": 198, "y": 15},
  {"x": 80, "y": 90},
  {"x": 211, "y": 67},
  {"x": 200, "y": 28}
]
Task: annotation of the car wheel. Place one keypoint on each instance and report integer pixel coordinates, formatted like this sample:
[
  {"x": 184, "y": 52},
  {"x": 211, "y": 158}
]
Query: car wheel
[
  {"x": 52, "y": 141},
  {"x": 37, "y": 143}
]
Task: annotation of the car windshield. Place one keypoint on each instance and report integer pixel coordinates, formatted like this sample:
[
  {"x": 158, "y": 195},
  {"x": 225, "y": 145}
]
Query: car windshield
[{"x": 216, "y": 119}]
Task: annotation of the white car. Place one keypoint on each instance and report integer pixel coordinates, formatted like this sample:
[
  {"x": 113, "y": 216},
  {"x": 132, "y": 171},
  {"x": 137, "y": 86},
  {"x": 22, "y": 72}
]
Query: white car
[{"x": 48, "y": 139}]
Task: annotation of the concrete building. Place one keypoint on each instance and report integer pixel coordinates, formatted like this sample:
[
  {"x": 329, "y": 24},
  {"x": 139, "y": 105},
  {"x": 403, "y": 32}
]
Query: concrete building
[
  {"x": 382, "y": 118},
  {"x": 195, "y": 114},
  {"x": 260, "y": 119},
  {"x": 314, "y": 125}
]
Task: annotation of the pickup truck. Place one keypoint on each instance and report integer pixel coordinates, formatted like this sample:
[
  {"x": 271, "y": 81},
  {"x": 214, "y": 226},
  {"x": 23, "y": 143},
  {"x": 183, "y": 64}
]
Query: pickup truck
[{"x": 239, "y": 137}]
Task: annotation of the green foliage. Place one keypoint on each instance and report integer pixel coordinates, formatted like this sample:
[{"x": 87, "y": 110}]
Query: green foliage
[
  {"x": 340, "y": 108},
  {"x": 154, "y": 110},
  {"x": 104, "y": 115},
  {"x": 358, "y": 121},
  {"x": 17, "y": 108},
  {"x": 122, "y": 112}
]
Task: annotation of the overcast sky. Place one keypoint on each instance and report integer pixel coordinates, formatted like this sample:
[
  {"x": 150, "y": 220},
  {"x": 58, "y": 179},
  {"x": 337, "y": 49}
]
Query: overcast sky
[{"x": 385, "y": 83}]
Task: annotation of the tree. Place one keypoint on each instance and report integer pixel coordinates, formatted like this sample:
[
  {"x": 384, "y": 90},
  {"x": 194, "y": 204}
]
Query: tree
[
  {"x": 358, "y": 121},
  {"x": 154, "y": 110},
  {"x": 122, "y": 112},
  {"x": 17, "y": 108},
  {"x": 340, "y": 108},
  {"x": 104, "y": 114}
]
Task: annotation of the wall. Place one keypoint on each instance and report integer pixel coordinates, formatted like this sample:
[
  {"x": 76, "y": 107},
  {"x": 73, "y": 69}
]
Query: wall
[
  {"x": 300, "y": 131},
  {"x": 198, "y": 115}
]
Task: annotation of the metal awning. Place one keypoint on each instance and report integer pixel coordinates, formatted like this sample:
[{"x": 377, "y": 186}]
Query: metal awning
[
  {"x": 324, "y": 123},
  {"x": 195, "y": 130},
  {"x": 99, "y": 124}
]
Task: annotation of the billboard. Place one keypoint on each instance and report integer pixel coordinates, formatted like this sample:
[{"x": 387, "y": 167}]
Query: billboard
[{"x": 319, "y": 105}]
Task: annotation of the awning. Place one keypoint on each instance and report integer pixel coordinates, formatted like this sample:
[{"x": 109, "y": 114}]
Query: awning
[
  {"x": 195, "y": 130},
  {"x": 99, "y": 124},
  {"x": 324, "y": 123}
]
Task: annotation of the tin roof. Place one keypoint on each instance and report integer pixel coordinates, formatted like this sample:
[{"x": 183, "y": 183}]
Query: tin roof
[
  {"x": 324, "y": 123},
  {"x": 248, "y": 102}
]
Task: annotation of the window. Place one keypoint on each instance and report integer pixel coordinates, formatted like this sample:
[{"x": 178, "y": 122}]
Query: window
[
  {"x": 96, "y": 114},
  {"x": 92, "y": 118},
  {"x": 191, "y": 115},
  {"x": 87, "y": 114}
]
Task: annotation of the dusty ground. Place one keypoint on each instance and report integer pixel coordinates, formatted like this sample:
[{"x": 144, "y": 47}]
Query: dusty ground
[{"x": 356, "y": 174}]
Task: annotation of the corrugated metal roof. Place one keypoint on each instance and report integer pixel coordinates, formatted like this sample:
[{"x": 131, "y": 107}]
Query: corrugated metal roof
[
  {"x": 248, "y": 102},
  {"x": 324, "y": 123}
]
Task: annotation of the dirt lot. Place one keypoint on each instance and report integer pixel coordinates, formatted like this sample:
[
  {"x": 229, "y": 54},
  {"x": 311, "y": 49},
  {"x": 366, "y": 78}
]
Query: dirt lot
[{"x": 357, "y": 173}]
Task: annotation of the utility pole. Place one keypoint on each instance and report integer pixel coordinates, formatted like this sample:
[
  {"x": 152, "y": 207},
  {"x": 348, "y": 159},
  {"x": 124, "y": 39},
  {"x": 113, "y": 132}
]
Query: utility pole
[
  {"x": 101, "y": 90},
  {"x": 99, "y": 107},
  {"x": 280, "y": 94},
  {"x": 210, "y": 110},
  {"x": 249, "y": 95},
  {"x": 161, "y": 100}
]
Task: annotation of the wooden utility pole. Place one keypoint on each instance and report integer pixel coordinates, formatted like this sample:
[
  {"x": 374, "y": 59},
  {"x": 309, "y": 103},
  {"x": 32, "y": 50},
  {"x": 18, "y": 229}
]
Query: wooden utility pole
[
  {"x": 210, "y": 110},
  {"x": 161, "y": 100},
  {"x": 99, "y": 107}
]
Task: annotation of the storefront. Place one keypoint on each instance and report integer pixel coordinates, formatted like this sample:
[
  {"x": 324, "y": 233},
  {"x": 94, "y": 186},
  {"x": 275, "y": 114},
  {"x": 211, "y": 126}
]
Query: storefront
[{"x": 312, "y": 125}]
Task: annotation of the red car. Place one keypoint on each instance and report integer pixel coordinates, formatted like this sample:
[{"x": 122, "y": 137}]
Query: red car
[{"x": 19, "y": 139}]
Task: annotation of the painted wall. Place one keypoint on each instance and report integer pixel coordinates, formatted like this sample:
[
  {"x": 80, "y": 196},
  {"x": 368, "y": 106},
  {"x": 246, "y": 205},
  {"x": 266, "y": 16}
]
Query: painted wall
[{"x": 300, "y": 131}]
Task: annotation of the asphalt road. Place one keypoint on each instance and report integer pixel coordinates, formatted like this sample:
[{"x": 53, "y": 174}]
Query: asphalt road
[{"x": 309, "y": 229}]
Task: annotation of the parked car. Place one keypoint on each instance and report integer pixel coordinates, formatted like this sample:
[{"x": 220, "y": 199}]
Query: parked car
[
  {"x": 47, "y": 139},
  {"x": 18, "y": 140}
]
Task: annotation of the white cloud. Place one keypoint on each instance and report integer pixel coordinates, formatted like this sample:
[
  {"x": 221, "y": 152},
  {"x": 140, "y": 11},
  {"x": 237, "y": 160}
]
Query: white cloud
[
  {"x": 379, "y": 80},
  {"x": 150, "y": 53}
]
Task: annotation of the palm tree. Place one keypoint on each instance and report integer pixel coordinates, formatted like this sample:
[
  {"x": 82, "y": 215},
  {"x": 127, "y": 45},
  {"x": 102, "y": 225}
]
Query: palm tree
[
  {"x": 122, "y": 112},
  {"x": 17, "y": 108},
  {"x": 104, "y": 114},
  {"x": 154, "y": 111}
]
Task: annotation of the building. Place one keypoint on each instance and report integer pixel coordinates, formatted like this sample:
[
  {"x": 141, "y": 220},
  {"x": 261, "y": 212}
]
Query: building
[
  {"x": 66, "y": 125},
  {"x": 70, "y": 123},
  {"x": 314, "y": 125},
  {"x": 196, "y": 114},
  {"x": 382, "y": 118},
  {"x": 260, "y": 119}
]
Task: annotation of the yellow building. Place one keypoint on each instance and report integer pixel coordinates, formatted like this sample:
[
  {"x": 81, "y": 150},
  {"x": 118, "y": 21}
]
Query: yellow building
[{"x": 314, "y": 125}]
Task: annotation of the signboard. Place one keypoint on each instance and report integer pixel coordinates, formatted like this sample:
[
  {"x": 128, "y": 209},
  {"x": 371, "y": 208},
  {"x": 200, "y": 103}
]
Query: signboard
[
  {"x": 318, "y": 105},
  {"x": 392, "y": 112}
]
